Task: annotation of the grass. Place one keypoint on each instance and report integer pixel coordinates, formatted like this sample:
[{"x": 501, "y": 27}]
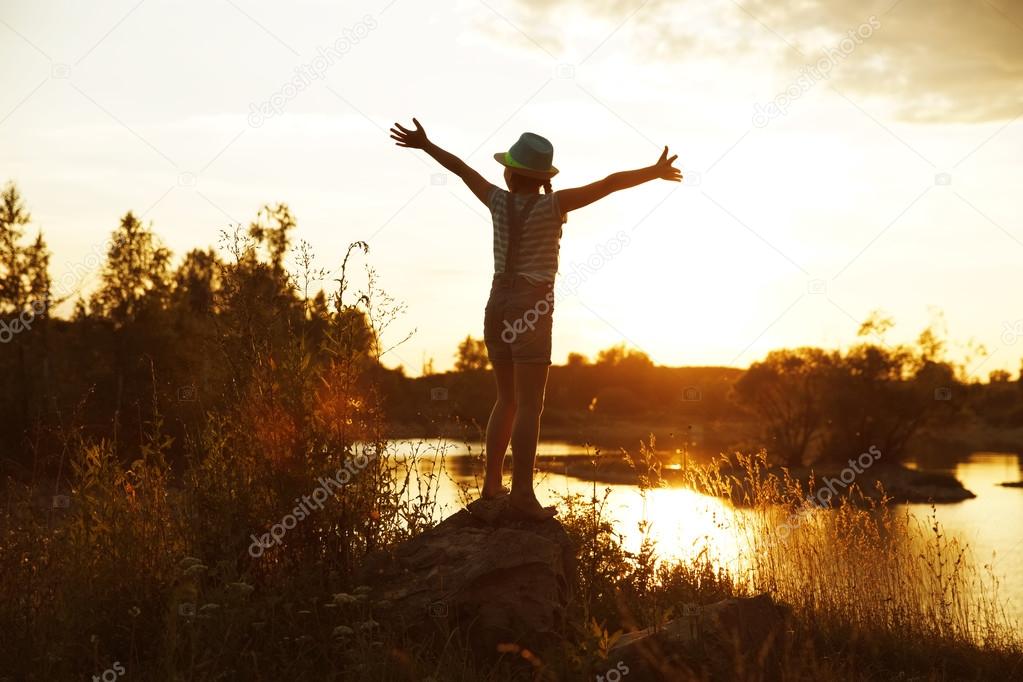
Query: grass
[
  {"x": 149, "y": 569},
  {"x": 153, "y": 573}
]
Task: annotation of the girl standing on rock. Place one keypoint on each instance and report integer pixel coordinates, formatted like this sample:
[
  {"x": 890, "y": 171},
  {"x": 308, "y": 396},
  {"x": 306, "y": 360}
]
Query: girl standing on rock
[{"x": 518, "y": 319}]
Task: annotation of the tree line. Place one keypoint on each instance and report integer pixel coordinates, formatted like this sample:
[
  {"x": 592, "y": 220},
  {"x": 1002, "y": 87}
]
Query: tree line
[{"x": 158, "y": 351}]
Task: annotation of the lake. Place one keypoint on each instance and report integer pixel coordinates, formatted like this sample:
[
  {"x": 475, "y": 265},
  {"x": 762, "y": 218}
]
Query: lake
[{"x": 684, "y": 522}]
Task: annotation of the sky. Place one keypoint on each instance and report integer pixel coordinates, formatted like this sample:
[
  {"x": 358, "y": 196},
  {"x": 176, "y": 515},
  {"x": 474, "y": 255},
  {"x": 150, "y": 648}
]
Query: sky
[{"x": 839, "y": 158}]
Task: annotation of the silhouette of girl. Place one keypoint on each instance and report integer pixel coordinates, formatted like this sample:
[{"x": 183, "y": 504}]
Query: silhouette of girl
[{"x": 518, "y": 318}]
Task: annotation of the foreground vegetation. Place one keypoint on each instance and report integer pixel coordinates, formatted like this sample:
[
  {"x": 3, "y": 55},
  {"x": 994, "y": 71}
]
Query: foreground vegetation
[
  {"x": 158, "y": 575},
  {"x": 213, "y": 402}
]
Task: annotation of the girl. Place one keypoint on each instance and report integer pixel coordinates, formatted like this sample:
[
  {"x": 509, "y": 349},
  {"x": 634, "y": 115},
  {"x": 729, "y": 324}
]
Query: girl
[{"x": 518, "y": 317}]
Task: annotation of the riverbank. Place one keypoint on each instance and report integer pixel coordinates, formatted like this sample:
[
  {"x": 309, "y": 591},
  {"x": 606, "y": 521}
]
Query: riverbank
[{"x": 899, "y": 483}]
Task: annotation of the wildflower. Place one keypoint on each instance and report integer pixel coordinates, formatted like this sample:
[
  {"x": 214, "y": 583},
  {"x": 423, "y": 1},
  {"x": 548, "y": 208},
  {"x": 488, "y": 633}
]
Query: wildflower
[
  {"x": 368, "y": 625},
  {"x": 134, "y": 612},
  {"x": 208, "y": 608},
  {"x": 343, "y": 631},
  {"x": 342, "y": 598},
  {"x": 363, "y": 589}
]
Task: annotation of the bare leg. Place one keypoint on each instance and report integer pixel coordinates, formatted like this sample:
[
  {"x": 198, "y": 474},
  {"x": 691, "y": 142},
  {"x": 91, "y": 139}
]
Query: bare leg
[
  {"x": 530, "y": 383},
  {"x": 499, "y": 429}
]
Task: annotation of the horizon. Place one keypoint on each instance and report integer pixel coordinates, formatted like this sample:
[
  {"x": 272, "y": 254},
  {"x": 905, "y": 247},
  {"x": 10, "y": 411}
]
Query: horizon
[{"x": 799, "y": 215}]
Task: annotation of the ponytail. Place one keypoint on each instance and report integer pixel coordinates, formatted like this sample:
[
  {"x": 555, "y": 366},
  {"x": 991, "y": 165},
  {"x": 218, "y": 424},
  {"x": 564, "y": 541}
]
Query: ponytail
[{"x": 547, "y": 187}]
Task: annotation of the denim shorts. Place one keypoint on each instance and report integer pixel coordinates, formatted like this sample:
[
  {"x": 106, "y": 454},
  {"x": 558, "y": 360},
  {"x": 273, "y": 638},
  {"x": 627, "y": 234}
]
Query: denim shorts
[{"x": 518, "y": 320}]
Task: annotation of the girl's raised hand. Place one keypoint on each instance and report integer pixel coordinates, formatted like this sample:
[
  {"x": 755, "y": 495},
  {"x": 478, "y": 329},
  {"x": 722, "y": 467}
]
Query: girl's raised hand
[
  {"x": 664, "y": 168},
  {"x": 416, "y": 139}
]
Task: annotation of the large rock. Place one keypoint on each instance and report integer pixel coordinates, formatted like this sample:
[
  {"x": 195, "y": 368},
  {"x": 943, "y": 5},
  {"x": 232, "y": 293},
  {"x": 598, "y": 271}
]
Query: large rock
[
  {"x": 497, "y": 581},
  {"x": 718, "y": 641}
]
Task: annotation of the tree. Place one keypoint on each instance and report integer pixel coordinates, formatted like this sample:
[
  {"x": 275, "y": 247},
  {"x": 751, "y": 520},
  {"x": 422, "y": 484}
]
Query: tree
[
  {"x": 24, "y": 303},
  {"x": 621, "y": 356},
  {"x": 196, "y": 281},
  {"x": 880, "y": 396},
  {"x": 472, "y": 355},
  {"x": 577, "y": 360},
  {"x": 24, "y": 277},
  {"x": 270, "y": 229},
  {"x": 785, "y": 390},
  {"x": 136, "y": 268}
]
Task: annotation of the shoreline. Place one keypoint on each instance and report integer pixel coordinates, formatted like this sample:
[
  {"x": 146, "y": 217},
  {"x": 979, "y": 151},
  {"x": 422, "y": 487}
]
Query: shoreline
[{"x": 902, "y": 484}]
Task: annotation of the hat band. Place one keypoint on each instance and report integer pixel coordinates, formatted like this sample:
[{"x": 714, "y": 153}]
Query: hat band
[{"x": 510, "y": 160}]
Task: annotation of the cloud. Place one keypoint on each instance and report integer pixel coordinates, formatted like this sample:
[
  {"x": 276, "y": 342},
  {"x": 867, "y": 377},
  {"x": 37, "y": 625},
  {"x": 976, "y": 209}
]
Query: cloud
[
  {"x": 928, "y": 61},
  {"x": 937, "y": 61}
]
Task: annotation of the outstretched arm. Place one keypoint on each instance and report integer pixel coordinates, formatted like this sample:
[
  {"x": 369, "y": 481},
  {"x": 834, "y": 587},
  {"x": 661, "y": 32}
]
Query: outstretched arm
[
  {"x": 416, "y": 139},
  {"x": 577, "y": 197}
]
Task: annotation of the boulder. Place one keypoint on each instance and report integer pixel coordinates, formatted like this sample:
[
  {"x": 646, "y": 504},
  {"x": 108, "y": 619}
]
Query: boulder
[{"x": 502, "y": 584}]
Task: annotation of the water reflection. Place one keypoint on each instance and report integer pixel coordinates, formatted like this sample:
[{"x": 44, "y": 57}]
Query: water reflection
[
  {"x": 990, "y": 523},
  {"x": 683, "y": 523}
]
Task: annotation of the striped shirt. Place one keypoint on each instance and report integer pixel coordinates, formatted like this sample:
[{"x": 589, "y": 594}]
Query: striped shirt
[{"x": 539, "y": 240}]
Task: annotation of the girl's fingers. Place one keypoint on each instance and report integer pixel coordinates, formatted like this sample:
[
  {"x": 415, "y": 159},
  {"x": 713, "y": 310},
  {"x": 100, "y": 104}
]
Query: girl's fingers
[
  {"x": 402, "y": 128},
  {"x": 672, "y": 159},
  {"x": 416, "y": 121}
]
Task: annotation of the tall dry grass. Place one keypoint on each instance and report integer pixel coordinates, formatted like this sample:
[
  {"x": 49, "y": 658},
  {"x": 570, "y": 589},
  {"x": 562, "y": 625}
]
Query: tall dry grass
[
  {"x": 149, "y": 567},
  {"x": 862, "y": 574}
]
